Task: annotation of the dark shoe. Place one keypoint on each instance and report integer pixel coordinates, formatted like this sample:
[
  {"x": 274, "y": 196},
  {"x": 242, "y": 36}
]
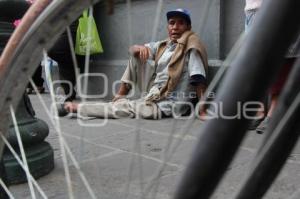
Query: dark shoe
[
  {"x": 60, "y": 105},
  {"x": 61, "y": 111},
  {"x": 255, "y": 123},
  {"x": 263, "y": 126},
  {"x": 40, "y": 89},
  {"x": 29, "y": 90}
]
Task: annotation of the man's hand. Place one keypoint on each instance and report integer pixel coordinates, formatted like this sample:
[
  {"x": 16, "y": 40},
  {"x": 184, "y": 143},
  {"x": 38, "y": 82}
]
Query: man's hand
[
  {"x": 31, "y": 1},
  {"x": 141, "y": 52},
  {"x": 200, "y": 90},
  {"x": 202, "y": 112}
]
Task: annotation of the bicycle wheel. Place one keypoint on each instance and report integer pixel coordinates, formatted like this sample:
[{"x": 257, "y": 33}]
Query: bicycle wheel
[
  {"x": 41, "y": 25},
  {"x": 44, "y": 32},
  {"x": 41, "y": 35}
]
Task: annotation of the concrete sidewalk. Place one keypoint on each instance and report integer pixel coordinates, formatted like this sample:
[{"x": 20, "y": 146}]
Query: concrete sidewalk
[{"x": 105, "y": 148}]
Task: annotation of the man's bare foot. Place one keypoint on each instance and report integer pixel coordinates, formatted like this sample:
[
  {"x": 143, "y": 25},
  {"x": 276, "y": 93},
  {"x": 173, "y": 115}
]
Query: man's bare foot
[{"x": 71, "y": 107}]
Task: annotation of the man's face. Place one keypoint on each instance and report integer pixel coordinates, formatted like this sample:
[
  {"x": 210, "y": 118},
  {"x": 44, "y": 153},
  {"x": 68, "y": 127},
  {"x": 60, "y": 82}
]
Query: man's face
[{"x": 176, "y": 27}]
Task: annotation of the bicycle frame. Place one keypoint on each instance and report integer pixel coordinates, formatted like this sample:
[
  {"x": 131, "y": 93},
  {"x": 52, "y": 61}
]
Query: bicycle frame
[{"x": 259, "y": 56}]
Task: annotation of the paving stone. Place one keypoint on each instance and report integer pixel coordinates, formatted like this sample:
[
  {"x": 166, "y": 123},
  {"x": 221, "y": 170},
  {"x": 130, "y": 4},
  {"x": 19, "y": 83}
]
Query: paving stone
[
  {"x": 112, "y": 174},
  {"x": 104, "y": 154},
  {"x": 152, "y": 145}
]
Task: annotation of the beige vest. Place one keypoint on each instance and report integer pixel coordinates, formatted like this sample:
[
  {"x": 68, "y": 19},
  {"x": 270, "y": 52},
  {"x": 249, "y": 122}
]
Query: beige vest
[{"x": 189, "y": 40}]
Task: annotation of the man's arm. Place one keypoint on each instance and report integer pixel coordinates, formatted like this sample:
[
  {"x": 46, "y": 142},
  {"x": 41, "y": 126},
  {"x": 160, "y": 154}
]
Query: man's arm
[
  {"x": 200, "y": 90},
  {"x": 199, "y": 82},
  {"x": 198, "y": 78},
  {"x": 122, "y": 92},
  {"x": 140, "y": 51}
]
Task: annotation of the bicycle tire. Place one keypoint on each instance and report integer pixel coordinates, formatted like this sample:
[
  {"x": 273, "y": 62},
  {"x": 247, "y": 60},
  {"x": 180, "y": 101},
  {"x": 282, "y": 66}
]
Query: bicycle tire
[{"x": 16, "y": 64}]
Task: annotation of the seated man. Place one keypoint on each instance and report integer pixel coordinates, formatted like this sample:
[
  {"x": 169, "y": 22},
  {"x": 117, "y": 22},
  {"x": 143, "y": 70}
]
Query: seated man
[{"x": 177, "y": 74}]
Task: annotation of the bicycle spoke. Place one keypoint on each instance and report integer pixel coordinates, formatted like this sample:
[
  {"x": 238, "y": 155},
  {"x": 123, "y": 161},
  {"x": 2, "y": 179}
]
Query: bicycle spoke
[
  {"x": 6, "y": 189},
  {"x": 56, "y": 123},
  {"x": 64, "y": 143},
  {"x": 204, "y": 16},
  {"x": 81, "y": 85},
  {"x": 129, "y": 19},
  {"x": 137, "y": 142},
  {"x": 11, "y": 149},
  {"x": 22, "y": 152},
  {"x": 157, "y": 19},
  {"x": 87, "y": 58},
  {"x": 168, "y": 154},
  {"x": 81, "y": 174},
  {"x": 217, "y": 80},
  {"x": 75, "y": 63},
  {"x": 156, "y": 178},
  {"x": 136, "y": 150}
]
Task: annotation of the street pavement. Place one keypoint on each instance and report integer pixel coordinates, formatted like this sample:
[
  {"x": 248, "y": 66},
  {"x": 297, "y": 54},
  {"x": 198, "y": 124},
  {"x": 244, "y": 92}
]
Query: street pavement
[{"x": 105, "y": 149}]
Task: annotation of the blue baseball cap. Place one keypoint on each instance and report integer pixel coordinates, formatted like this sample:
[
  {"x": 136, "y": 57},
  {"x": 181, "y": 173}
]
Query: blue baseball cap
[{"x": 180, "y": 12}]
